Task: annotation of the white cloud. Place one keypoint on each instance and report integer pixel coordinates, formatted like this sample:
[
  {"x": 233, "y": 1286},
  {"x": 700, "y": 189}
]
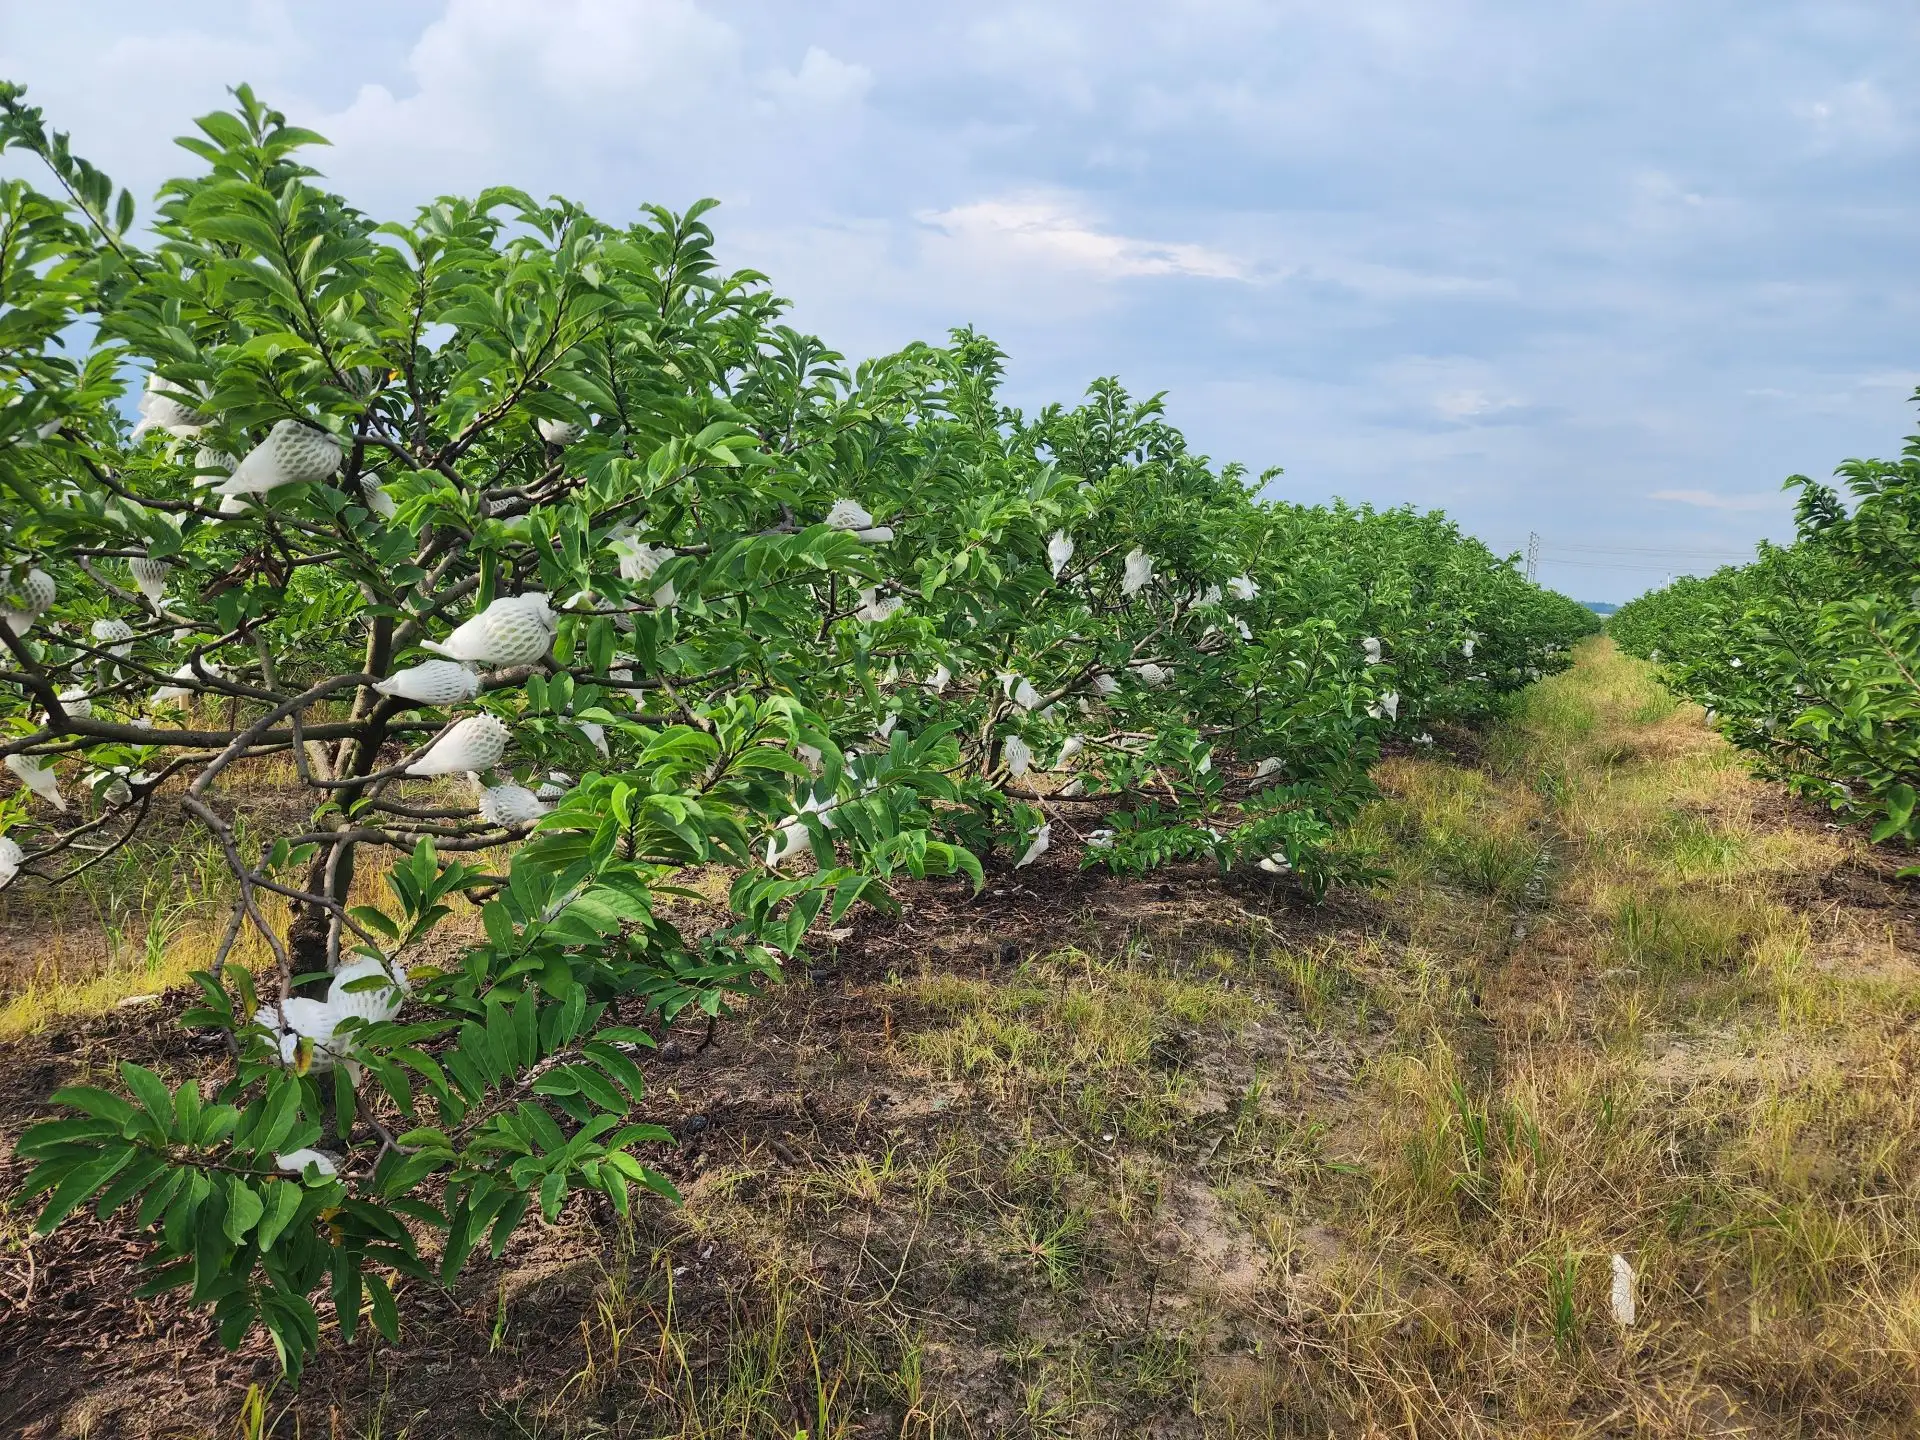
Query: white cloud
[
  {"x": 1707, "y": 500},
  {"x": 1398, "y": 282},
  {"x": 105, "y": 85},
  {"x": 1857, "y": 113},
  {"x": 1045, "y": 48},
  {"x": 1487, "y": 256},
  {"x": 821, "y": 80},
  {"x": 1449, "y": 391},
  {"x": 1904, "y": 381},
  {"x": 1660, "y": 204},
  {"x": 494, "y": 56},
  {"x": 570, "y": 94},
  {"x": 1464, "y": 405},
  {"x": 1047, "y": 230}
]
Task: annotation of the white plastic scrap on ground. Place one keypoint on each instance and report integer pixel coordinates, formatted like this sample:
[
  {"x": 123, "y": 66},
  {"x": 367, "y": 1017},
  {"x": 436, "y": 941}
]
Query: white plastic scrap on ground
[{"x": 1624, "y": 1307}]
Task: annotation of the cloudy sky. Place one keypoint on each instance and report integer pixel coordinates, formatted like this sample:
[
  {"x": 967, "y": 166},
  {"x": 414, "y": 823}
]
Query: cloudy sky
[{"x": 1604, "y": 270}]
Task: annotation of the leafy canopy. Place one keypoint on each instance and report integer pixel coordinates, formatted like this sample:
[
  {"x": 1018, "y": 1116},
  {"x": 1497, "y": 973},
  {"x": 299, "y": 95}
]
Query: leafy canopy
[{"x": 706, "y": 595}]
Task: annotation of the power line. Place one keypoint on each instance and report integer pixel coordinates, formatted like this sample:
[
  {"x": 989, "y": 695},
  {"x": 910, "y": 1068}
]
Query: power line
[
  {"x": 1667, "y": 561},
  {"x": 1623, "y": 565},
  {"x": 1647, "y": 550},
  {"x": 1610, "y": 564}
]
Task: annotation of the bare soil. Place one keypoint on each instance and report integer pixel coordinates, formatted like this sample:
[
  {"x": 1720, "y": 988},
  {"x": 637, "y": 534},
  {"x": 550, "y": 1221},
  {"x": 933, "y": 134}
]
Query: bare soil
[{"x": 827, "y": 1078}]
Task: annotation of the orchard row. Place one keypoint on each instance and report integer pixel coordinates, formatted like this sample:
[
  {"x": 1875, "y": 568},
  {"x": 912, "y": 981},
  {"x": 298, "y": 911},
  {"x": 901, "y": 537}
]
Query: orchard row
[
  {"x": 548, "y": 557},
  {"x": 1809, "y": 658}
]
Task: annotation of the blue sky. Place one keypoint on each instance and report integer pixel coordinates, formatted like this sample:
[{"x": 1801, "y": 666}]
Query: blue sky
[{"x": 1607, "y": 272}]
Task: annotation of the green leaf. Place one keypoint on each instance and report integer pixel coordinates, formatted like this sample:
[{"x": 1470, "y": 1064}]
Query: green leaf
[
  {"x": 386, "y": 1315},
  {"x": 620, "y": 1067},
  {"x": 599, "y": 1090},
  {"x": 281, "y": 1112},
  {"x": 553, "y": 1193},
  {"x": 346, "y": 1294},
  {"x": 505, "y": 1222},
  {"x": 101, "y": 1103},
  {"x": 81, "y": 1184},
  {"x": 344, "y": 1098},
  {"x": 186, "y": 1110},
  {"x": 152, "y": 1094},
  {"x": 244, "y": 1208},
  {"x": 499, "y": 926},
  {"x": 282, "y": 1203},
  {"x": 141, "y": 1172},
  {"x": 376, "y": 920}
]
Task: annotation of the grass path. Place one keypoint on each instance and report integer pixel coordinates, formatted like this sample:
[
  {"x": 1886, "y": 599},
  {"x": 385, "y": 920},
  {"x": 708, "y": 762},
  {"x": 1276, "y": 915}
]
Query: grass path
[
  {"x": 1694, "y": 1048},
  {"x": 1183, "y": 1157}
]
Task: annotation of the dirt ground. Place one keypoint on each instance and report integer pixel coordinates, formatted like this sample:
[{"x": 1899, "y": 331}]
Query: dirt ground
[
  {"x": 816, "y": 1075},
  {"x": 1186, "y": 1156}
]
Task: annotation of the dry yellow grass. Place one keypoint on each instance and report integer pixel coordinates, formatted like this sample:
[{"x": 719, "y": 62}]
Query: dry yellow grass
[
  {"x": 50, "y": 995},
  {"x": 1613, "y": 1026},
  {"x": 155, "y": 912},
  {"x": 1664, "y": 1059},
  {"x": 1356, "y": 1174}
]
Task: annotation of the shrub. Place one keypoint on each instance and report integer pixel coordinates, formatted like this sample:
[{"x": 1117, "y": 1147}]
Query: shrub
[{"x": 1807, "y": 658}]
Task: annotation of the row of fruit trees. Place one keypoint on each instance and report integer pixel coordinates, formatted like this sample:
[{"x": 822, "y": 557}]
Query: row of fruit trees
[
  {"x": 1808, "y": 658},
  {"x": 548, "y": 562}
]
